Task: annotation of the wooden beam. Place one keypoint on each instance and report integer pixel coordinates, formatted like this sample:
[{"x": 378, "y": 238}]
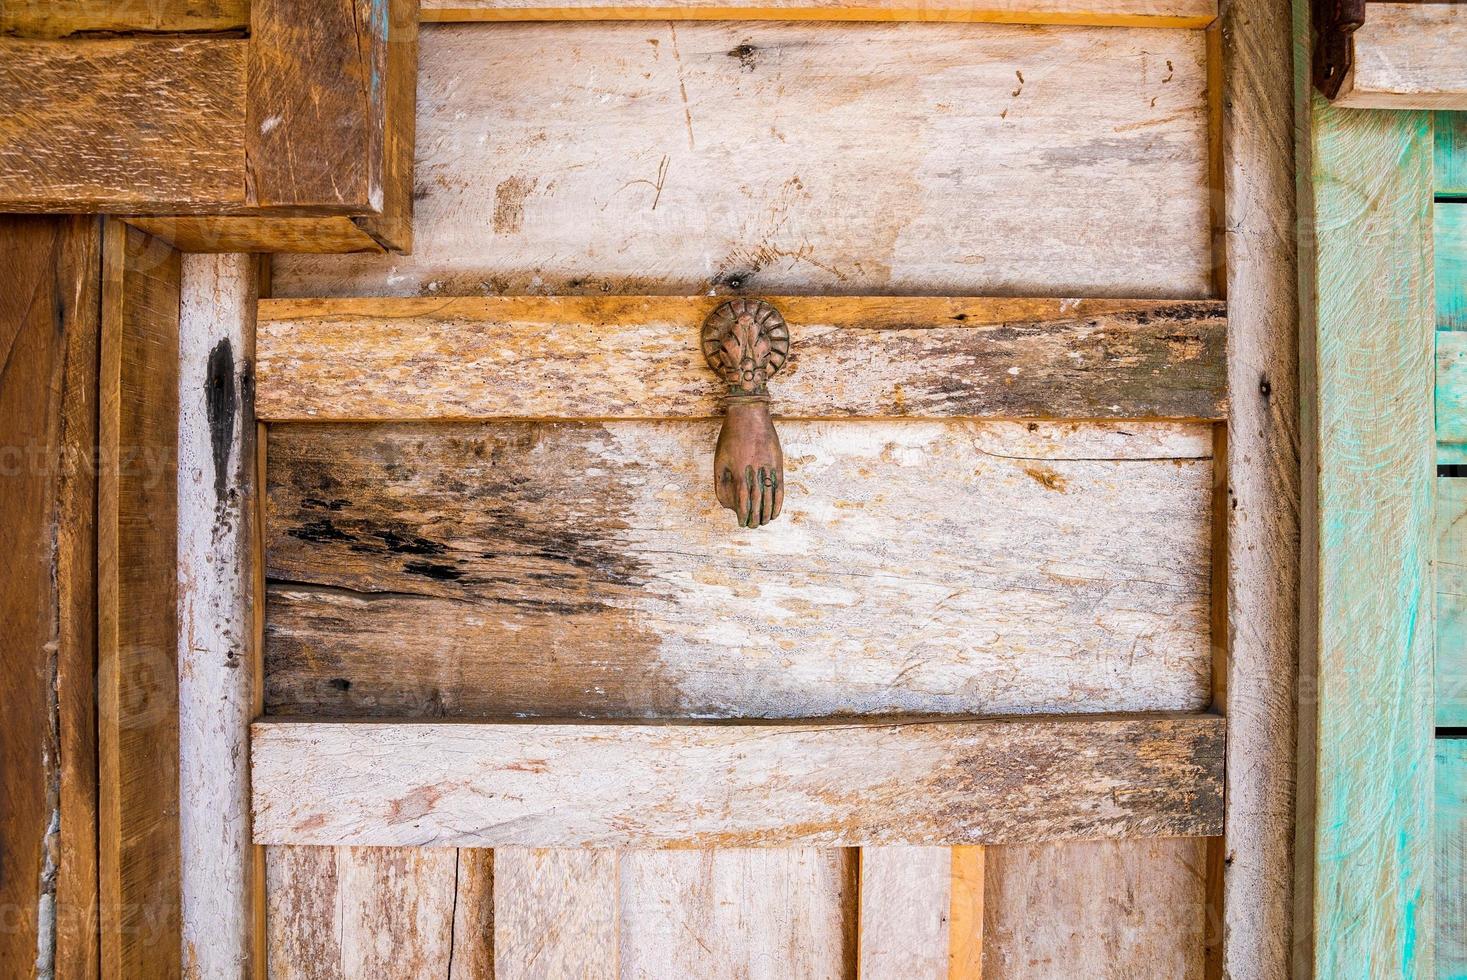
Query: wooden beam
[
  {"x": 1451, "y": 857},
  {"x": 48, "y": 374},
  {"x": 1408, "y": 56},
  {"x": 905, "y": 901},
  {"x": 965, "y": 913},
  {"x": 137, "y": 616},
  {"x": 840, "y": 784},
  {"x": 59, "y": 18},
  {"x": 1451, "y": 602},
  {"x": 1365, "y": 734},
  {"x": 216, "y": 538},
  {"x": 1104, "y": 13},
  {"x": 1451, "y": 153},
  {"x": 202, "y": 233},
  {"x": 853, "y": 357},
  {"x": 122, "y": 124}
]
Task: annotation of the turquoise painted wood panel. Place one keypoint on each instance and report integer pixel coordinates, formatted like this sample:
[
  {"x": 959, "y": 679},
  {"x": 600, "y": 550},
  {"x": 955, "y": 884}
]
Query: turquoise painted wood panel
[
  {"x": 1451, "y": 153},
  {"x": 1368, "y": 279},
  {"x": 1451, "y": 263},
  {"x": 1451, "y": 603},
  {"x": 1451, "y": 863},
  {"x": 1451, "y": 397}
]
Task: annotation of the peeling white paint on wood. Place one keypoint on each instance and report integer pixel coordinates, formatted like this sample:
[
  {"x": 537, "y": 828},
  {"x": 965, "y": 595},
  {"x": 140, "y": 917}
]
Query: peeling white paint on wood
[{"x": 948, "y": 159}]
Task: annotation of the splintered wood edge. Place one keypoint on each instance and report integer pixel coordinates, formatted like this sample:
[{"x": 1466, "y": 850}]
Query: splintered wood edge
[
  {"x": 360, "y": 359},
  {"x": 692, "y": 784}
]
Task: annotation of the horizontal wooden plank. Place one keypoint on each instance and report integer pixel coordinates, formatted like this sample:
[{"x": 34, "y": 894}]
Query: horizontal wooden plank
[
  {"x": 1409, "y": 56},
  {"x": 857, "y": 158},
  {"x": 586, "y": 570},
  {"x": 59, "y": 18},
  {"x": 125, "y": 124},
  {"x": 729, "y": 785},
  {"x": 1110, "y": 13},
  {"x": 207, "y": 233},
  {"x": 1451, "y": 602},
  {"x": 639, "y": 357}
]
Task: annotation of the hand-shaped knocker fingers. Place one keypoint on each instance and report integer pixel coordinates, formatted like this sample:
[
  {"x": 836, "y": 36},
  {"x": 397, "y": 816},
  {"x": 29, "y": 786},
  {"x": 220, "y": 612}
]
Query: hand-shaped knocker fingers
[
  {"x": 746, "y": 341},
  {"x": 748, "y": 465}
]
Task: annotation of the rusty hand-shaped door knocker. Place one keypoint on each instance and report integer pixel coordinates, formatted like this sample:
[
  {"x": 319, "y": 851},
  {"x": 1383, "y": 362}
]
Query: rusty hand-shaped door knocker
[{"x": 746, "y": 341}]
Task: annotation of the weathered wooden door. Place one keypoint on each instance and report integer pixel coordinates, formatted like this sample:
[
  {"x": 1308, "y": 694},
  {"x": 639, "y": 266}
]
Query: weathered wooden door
[{"x": 536, "y": 707}]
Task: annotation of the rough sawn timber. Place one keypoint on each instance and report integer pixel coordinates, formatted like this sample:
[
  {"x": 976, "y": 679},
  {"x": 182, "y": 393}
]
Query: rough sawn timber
[
  {"x": 582, "y": 570},
  {"x": 1409, "y": 56},
  {"x": 638, "y": 357},
  {"x": 700, "y": 785},
  {"x": 938, "y": 159}
]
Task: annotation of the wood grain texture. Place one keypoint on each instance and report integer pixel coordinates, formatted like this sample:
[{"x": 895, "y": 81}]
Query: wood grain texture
[
  {"x": 193, "y": 233},
  {"x": 59, "y": 18},
  {"x": 473, "y": 916},
  {"x": 1408, "y": 56},
  {"x": 1451, "y": 602},
  {"x": 1259, "y": 521},
  {"x": 1451, "y": 153},
  {"x": 1365, "y": 733},
  {"x": 1126, "y": 908},
  {"x": 354, "y": 912},
  {"x": 1449, "y": 245},
  {"x": 99, "y": 125},
  {"x": 583, "y": 570},
  {"x": 713, "y": 785},
  {"x": 555, "y": 913},
  {"x": 638, "y": 357},
  {"x": 965, "y": 913},
  {"x": 48, "y": 376},
  {"x": 1110, "y": 13},
  {"x": 1451, "y": 858},
  {"x": 905, "y": 905},
  {"x": 137, "y": 584},
  {"x": 216, "y": 537},
  {"x": 329, "y": 121},
  {"x": 800, "y": 158},
  {"x": 1451, "y": 397}
]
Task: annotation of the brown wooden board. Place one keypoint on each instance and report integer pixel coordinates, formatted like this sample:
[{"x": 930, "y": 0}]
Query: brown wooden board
[
  {"x": 48, "y": 348},
  {"x": 59, "y": 18},
  {"x": 137, "y": 687},
  {"x": 736, "y": 785}
]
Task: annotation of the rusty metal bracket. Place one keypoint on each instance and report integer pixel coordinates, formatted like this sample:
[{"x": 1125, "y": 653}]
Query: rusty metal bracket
[
  {"x": 746, "y": 342},
  {"x": 1335, "y": 23}
]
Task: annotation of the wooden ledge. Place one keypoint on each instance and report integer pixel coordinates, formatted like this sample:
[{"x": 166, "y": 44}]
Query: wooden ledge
[{"x": 750, "y": 784}]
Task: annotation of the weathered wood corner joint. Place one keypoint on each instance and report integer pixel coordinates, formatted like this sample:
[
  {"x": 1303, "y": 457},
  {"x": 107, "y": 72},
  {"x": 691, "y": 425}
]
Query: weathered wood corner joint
[
  {"x": 1335, "y": 23},
  {"x": 746, "y": 342}
]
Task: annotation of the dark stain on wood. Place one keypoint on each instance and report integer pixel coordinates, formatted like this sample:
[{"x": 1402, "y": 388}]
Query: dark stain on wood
[{"x": 221, "y": 405}]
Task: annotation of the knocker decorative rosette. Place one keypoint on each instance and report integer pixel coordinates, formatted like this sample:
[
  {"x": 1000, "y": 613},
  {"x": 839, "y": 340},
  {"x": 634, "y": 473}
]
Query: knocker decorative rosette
[{"x": 746, "y": 342}]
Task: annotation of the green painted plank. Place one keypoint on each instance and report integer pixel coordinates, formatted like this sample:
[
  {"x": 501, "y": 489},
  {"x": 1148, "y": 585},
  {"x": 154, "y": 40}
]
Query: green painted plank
[
  {"x": 1451, "y": 859},
  {"x": 1451, "y": 265},
  {"x": 1451, "y": 153},
  {"x": 1451, "y": 603},
  {"x": 1451, "y": 396},
  {"x": 1367, "y": 276}
]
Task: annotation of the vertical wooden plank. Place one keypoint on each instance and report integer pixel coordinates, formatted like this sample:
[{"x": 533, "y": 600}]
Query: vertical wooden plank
[
  {"x": 1095, "y": 909},
  {"x": 216, "y": 697},
  {"x": 360, "y": 912},
  {"x": 1451, "y": 602},
  {"x": 905, "y": 908},
  {"x": 48, "y": 345},
  {"x": 1450, "y": 250},
  {"x": 1451, "y": 153},
  {"x": 1366, "y": 664},
  {"x": 556, "y": 913},
  {"x": 1451, "y": 858},
  {"x": 473, "y": 916},
  {"x": 965, "y": 921},
  {"x": 1259, "y": 513},
  {"x": 137, "y": 616}
]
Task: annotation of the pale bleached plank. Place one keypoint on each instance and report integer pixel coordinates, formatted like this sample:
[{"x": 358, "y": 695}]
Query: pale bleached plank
[
  {"x": 1112, "y": 13},
  {"x": 216, "y": 581},
  {"x": 555, "y": 914},
  {"x": 515, "y": 569},
  {"x": 1258, "y": 654},
  {"x": 1365, "y": 733},
  {"x": 1127, "y": 908},
  {"x": 693, "y": 784},
  {"x": 1451, "y": 857},
  {"x": 638, "y": 357},
  {"x": 799, "y": 158},
  {"x": 1451, "y": 602},
  {"x": 358, "y": 913},
  {"x": 1409, "y": 56},
  {"x": 906, "y": 899}
]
